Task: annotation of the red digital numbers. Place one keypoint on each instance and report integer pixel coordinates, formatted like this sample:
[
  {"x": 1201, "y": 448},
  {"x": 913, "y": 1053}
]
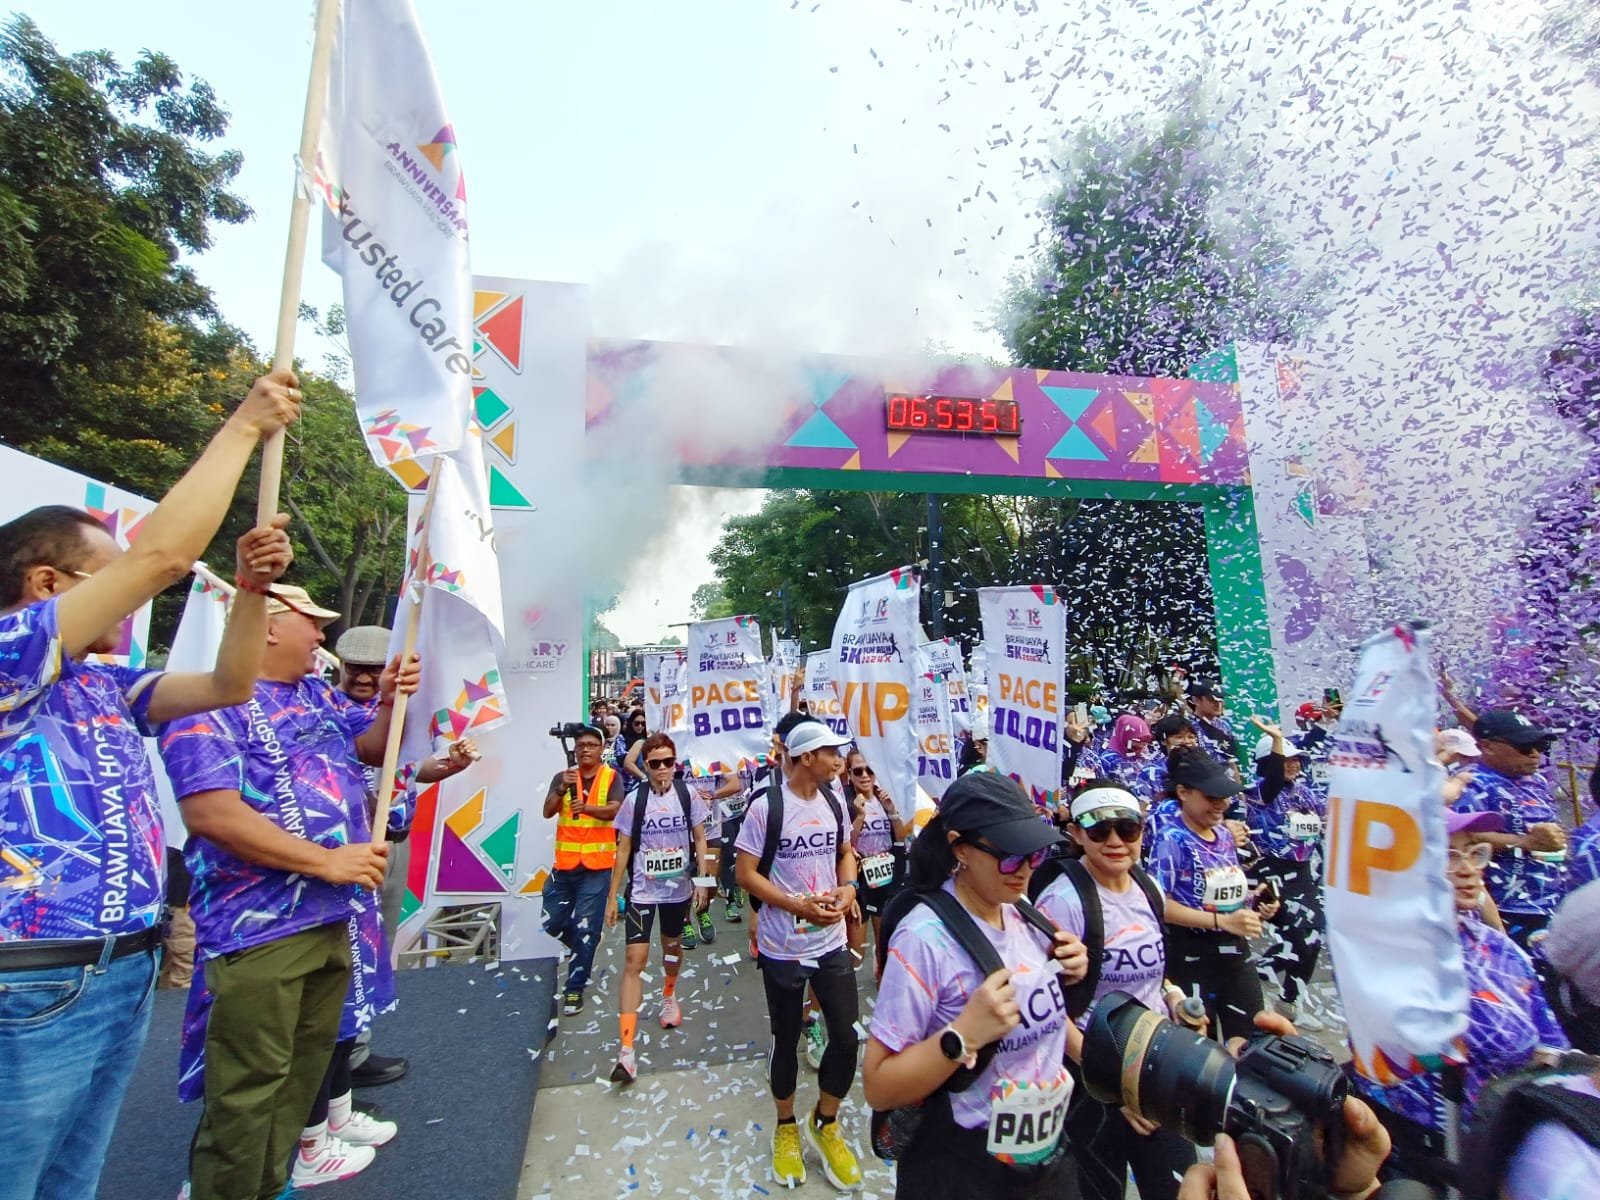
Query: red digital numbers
[{"x": 953, "y": 414}]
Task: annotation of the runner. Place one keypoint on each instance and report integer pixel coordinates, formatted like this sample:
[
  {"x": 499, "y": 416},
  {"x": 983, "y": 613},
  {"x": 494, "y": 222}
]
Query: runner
[
  {"x": 661, "y": 835},
  {"x": 994, "y": 1130},
  {"x": 1129, "y": 760},
  {"x": 1206, "y": 705},
  {"x": 877, "y": 833},
  {"x": 716, "y": 791},
  {"x": 975, "y": 750},
  {"x": 1208, "y": 897},
  {"x": 1126, "y": 941},
  {"x": 804, "y": 877},
  {"x": 1286, "y": 823}
]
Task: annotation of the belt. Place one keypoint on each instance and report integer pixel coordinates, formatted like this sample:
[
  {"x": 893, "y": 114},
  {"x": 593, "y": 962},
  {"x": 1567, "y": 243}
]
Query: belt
[{"x": 39, "y": 954}]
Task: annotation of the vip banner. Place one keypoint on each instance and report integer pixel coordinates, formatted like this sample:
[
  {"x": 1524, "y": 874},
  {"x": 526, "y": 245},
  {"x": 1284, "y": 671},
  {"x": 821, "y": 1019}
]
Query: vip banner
[
  {"x": 944, "y": 658},
  {"x": 874, "y": 667},
  {"x": 821, "y": 697},
  {"x": 978, "y": 682},
  {"x": 936, "y": 763},
  {"x": 727, "y": 681},
  {"x": 1390, "y": 908},
  {"x": 666, "y": 692},
  {"x": 1025, "y": 635}
]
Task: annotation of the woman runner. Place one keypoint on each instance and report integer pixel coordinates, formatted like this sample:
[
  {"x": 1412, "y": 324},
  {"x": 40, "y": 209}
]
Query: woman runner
[{"x": 876, "y": 830}]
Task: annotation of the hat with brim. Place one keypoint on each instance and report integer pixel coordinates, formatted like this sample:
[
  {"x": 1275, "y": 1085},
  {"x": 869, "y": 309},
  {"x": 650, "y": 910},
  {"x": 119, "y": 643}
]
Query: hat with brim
[
  {"x": 1095, "y": 805},
  {"x": 1503, "y": 725},
  {"x": 1204, "y": 773},
  {"x": 364, "y": 646},
  {"x": 1474, "y": 822},
  {"x": 812, "y": 735},
  {"x": 993, "y": 806},
  {"x": 285, "y": 598}
]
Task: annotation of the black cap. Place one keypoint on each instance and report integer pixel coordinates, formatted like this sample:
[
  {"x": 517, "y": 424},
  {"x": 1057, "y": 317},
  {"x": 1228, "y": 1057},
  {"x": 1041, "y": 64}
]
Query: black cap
[
  {"x": 589, "y": 731},
  {"x": 1503, "y": 725},
  {"x": 1201, "y": 688},
  {"x": 994, "y": 805},
  {"x": 1196, "y": 769},
  {"x": 1172, "y": 723}
]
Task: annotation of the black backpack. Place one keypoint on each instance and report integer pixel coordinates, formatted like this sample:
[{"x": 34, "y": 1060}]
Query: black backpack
[
  {"x": 1507, "y": 1111},
  {"x": 1081, "y": 994},
  {"x": 1579, "y": 1019},
  {"x": 893, "y": 1129},
  {"x": 640, "y": 802},
  {"x": 769, "y": 844}
]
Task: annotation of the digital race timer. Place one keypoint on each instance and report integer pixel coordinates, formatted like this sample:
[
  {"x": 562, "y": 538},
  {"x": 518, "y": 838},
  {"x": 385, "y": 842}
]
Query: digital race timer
[{"x": 953, "y": 414}]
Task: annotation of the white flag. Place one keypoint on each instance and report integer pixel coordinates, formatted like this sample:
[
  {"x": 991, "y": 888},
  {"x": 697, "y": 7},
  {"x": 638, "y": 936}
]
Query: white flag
[
  {"x": 727, "y": 680},
  {"x": 1390, "y": 908},
  {"x": 821, "y": 697},
  {"x": 978, "y": 681},
  {"x": 874, "y": 668},
  {"x": 666, "y": 692},
  {"x": 1025, "y": 632},
  {"x": 395, "y": 229},
  {"x": 461, "y": 637},
  {"x": 944, "y": 658},
  {"x": 936, "y": 762}
]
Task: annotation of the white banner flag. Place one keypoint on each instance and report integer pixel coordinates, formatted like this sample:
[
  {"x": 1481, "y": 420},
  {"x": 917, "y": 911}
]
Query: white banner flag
[
  {"x": 978, "y": 681},
  {"x": 1390, "y": 908},
  {"x": 395, "y": 229},
  {"x": 874, "y": 669},
  {"x": 727, "y": 681},
  {"x": 944, "y": 658},
  {"x": 784, "y": 673},
  {"x": 666, "y": 693},
  {"x": 461, "y": 637},
  {"x": 1025, "y": 634},
  {"x": 821, "y": 697},
  {"x": 936, "y": 762}
]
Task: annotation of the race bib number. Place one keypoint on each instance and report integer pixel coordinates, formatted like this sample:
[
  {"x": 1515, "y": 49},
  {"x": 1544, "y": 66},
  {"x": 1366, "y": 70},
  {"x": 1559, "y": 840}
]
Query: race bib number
[
  {"x": 877, "y": 870},
  {"x": 1304, "y": 827},
  {"x": 1025, "y": 1119},
  {"x": 669, "y": 863},
  {"x": 734, "y": 806},
  {"x": 1225, "y": 889}
]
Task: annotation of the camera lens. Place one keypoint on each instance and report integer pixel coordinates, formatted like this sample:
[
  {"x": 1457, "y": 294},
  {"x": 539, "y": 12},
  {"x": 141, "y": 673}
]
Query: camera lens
[{"x": 1165, "y": 1073}]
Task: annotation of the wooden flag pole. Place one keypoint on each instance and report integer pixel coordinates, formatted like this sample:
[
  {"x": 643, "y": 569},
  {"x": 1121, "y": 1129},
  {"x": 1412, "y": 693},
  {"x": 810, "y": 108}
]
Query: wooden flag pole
[
  {"x": 397, "y": 718},
  {"x": 295, "y": 255}
]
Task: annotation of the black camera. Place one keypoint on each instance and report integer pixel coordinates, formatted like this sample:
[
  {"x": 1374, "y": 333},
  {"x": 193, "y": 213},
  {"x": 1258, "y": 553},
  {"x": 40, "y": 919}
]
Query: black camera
[
  {"x": 570, "y": 731},
  {"x": 1281, "y": 1100}
]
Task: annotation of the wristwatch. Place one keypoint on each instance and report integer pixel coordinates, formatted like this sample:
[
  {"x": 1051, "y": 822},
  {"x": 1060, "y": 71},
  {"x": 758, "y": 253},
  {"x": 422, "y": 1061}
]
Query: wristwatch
[{"x": 954, "y": 1047}]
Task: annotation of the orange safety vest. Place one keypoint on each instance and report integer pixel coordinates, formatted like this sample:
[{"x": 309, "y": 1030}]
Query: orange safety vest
[{"x": 586, "y": 841}]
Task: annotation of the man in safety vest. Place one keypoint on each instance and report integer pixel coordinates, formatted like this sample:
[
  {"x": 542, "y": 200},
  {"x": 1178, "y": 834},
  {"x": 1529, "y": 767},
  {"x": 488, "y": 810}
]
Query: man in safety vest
[{"x": 583, "y": 800}]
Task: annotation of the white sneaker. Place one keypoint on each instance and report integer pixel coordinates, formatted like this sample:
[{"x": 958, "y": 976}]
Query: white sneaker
[
  {"x": 329, "y": 1161},
  {"x": 364, "y": 1129}
]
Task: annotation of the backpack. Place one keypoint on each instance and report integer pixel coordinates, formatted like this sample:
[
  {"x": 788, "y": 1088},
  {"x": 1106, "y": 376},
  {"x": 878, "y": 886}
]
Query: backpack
[
  {"x": 769, "y": 844},
  {"x": 1507, "y": 1111},
  {"x": 892, "y": 1130},
  {"x": 1081, "y": 994},
  {"x": 1579, "y": 1019},
  {"x": 640, "y": 803}
]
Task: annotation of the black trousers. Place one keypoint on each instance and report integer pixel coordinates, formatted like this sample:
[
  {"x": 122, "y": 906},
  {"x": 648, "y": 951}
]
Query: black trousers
[
  {"x": 1219, "y": 965},
  {"x": 1105, "y": 1147},
  {"x": 946, "y": 1162},
  {"x": 1298, "y": 925},
  {"x": 834, "y": 981}
]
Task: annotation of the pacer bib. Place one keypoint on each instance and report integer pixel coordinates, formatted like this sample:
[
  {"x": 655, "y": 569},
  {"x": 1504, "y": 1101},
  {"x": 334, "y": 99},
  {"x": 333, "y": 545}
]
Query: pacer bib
[
  {"x": 1025, "y": 1119},
  {"x": 877, "y": 870},
  {"x": 1225, "y": 889},
  {"x": 1304, "y": 827},
  {"x": 667, "y": 863}
]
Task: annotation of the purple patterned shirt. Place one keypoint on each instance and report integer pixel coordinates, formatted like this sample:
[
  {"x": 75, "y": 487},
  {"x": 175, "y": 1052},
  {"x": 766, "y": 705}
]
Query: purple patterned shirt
[
  {"x": 1291, "y": 826},
  {"x": 1583, "y": 855},
  {"x": 1518, "y": 882},
  {"x": 81, "y": 848},
  {"x": 1196, "y": 872},
  {"x": 290, "y": 754}
]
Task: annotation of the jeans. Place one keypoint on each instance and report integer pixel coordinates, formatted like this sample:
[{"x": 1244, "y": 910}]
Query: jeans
[
  {"x": 69, "y": 1040},
  {"x": 575, "y": 914}
]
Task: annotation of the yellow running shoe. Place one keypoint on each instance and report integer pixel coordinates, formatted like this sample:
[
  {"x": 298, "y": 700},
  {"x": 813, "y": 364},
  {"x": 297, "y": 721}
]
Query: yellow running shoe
[
  {"x": 838, "y": 1160},
  {"x": 788, "y": 1163}
]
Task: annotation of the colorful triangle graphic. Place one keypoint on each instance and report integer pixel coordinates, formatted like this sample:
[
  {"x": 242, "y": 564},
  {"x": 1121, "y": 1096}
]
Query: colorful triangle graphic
[
  {"x": 535, "y": 883},
  {"x": 502, "y": 329},
  {"x": 1213, "y": 433},
  {"x": 820, "y": 433},
  {"x": 469, "y": 816},
  {"x": 853, "y": 463},
  {"x": 488, "y": 406},
  {"x": 482, "y": 302},
  {"x": 1104, "y": 423},
  {"x": 895, "y": 441},
  {"x": 503, "y": 493},
  {"x": 500, "y": 846},
  {"x": 462, "y": 871},
  {"x": 1079, "y": 446},
  {"x": 504, "y": 440},
  {"x": 1073, "y": 402}
]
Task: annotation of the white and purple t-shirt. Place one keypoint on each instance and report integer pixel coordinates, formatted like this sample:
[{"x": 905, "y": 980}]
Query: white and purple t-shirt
[
  {"x": 664, "y": 860},
  {"x": 807, "y": 864},
  {"x": 928, "y": 978},
  {"x": 1134, "y": 959},
  {"x": 876, "y": 835},
  {"x": 1201, "y": 874}
]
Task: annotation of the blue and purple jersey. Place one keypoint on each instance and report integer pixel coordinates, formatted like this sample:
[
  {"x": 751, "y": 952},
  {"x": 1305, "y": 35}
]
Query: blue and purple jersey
[
  {"x": 1519, "y": 882},
  {"x": 81, "y": 848},
  {"x": 1196, "y": 872},
  {"x": 1290, "y": 826}
]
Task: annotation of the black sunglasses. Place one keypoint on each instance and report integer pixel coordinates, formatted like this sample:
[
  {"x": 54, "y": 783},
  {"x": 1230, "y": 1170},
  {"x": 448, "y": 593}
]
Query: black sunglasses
[
  {"x": 1125, "y": 828},
  {"x": 861, "y": 771},
  {"x": 1010, "y": 864},
  {"x": 658, "y": 764}
]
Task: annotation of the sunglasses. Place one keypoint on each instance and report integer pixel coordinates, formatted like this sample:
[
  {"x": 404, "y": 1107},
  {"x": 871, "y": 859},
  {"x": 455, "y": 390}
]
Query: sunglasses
[
  {"x": 861, "y": 772},
  {"x": 658, "y": 764},
  {"x": 1478, "y": 856},
  {"x": 1010, "y": 864},
  {"x": 1125, "y": 828}
]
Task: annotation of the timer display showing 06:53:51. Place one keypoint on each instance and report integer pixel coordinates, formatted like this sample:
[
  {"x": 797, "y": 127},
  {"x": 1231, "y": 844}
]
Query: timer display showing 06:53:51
[{"x": 953, "y": 414}]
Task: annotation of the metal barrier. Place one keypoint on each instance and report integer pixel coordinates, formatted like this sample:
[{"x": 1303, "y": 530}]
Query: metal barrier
[{"x": 457, "y": 934}]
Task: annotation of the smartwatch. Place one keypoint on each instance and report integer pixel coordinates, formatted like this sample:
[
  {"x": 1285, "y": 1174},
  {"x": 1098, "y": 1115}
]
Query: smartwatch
[{"x": 954, "y": 1047}]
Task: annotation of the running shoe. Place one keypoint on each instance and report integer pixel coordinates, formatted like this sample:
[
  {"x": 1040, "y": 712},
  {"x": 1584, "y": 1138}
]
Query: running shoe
[
  {"x": 708, "y": 931},
  {"x": 364, "y": 1130},
  {"x": 329, "y": 1161},
  {"x": 626, "y": 1070},
  {"x": 788, "y": 1160},
  {"x": 671, "y": 1013},
  {"x": 689, "y": 939},
  {"x": 838, "y": 1160},
  {"x": 816, "y": 1043},
  {"x": 733, "y": 909}
]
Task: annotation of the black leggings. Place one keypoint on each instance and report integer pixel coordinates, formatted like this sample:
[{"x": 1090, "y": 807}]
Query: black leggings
[
  {"x": 1105, "y": 1147},
  {"x": 1220, "y": 965},
  {"x": 833, "y": 980},
  {"x": 725, "y": 865},
  {"x": 335, "y": 1081},
  {"x": 1298, "y": 925}
]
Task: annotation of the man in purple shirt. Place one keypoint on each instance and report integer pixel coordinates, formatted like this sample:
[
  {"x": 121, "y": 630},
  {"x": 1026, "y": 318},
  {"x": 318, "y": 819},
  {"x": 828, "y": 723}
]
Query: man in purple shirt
[
  {"x": 81, "y": 845},
  {"x": 274, "y": 797}
]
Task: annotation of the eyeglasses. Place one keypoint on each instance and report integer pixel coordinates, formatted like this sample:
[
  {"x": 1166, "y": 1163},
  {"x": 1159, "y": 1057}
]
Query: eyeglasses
[
  {"x": 658, "y": 764},
  {"x": 1478, "y": 856},
  {"x": 861, "y": 772},
  {"x": 356, "y": 672},
  {"x": 638, "y": 722},
  {"x": 1125, "y": 828},
  {"x": 1010, "y": 864}
]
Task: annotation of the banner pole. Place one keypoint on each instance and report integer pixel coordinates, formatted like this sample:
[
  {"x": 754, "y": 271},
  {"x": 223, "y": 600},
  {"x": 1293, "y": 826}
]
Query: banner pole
[
  {"x": 397, "y": 718},
  {"x": 295, "y": 253}
]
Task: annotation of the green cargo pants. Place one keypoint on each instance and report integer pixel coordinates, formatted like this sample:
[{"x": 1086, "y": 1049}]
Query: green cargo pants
[{"x": 274, "y": 1020}]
